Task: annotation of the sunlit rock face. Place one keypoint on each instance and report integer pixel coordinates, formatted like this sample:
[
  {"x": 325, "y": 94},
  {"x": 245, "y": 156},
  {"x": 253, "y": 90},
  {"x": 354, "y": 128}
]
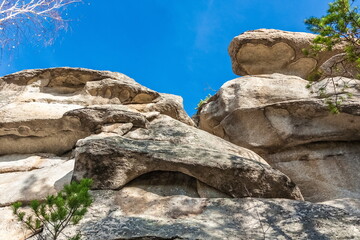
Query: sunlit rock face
[
  {"x": 27, "y": 177},
  {"x": 155, "y": 175},
  {"x": 266, "y": 51},
  {"x": 273, "y": 111},
  {"x": 166, "y": 144},
  {"x": 293, "y": 130},
  {"x": 276, "y": 116},
  {"x": 33, "y": 103},
  {"x": 268, "y": 112}
]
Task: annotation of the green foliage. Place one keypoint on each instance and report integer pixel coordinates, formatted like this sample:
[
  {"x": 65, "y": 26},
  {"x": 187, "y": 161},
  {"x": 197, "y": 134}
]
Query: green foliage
[
  {"x": 340, "y": 25},
  {"x": 315, "y": 76},
  {"x": 57, "y": 212},
  {"x": 202, "y": 102}
]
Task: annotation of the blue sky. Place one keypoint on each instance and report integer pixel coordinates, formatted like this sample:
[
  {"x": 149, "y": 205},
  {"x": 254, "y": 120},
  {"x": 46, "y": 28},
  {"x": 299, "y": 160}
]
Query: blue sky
[{"x": 171, "y": 46}]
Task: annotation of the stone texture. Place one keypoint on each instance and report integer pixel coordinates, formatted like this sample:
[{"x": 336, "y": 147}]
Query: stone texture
[
  {"x": 169, "y": 145},
  {"x": 33, "y": 102},
  {"x": 10, "y": 227},
  {"x": 163, "y": 183},
  {"x": 165, "y": 129},
  {"x": 205, "y": 191},
  {"x": 95, "y": 117},
  {"x": 166, "y": 104},
  {"x": 263, "y": 113},
  {"x": 351, "y": 205},
  {"x": 249, "y": 92},
  {"x": 266, "y": 51},
  {"x": 35, "y": 184},
  {"x": 45, "y": 112},
  {"x": 291, "y": 127},
  {"x": 22, "y": 163},
  {"x": 323, "y": 171},
  {"x": 158, "y": 183},
  {"x": 25, "y": 178},
  {"x": 38, "y": 135},
  {"x": 183, "y": 217},
  {"x": 157, "y": 177},
  {"x": 337, "y": 65}
]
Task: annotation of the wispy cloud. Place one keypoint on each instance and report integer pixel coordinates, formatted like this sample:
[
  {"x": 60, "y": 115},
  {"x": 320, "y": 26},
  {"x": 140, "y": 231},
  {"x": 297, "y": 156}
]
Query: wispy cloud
[{"x": 207, "y": 24}]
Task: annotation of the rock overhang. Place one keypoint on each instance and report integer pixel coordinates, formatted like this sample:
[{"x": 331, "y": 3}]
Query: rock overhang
[{"x": 266, "y": 51}]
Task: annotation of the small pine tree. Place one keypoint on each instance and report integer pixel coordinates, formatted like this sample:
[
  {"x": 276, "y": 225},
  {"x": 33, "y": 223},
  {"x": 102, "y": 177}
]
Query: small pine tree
[
  {"x": 57, "y": 212},
  {"x": 340, "y": 25}
]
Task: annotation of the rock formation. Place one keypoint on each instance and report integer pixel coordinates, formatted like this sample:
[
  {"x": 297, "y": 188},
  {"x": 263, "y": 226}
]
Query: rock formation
[
  {"x": 169, "y": 145},
  {"x": 156, "y": 176},
  {"x": 287, "y": 123},
  {"x": 267, "y": 51},
  {"x": 128, "y": 137},
  {"x": 33, "y": 103},
  {"x": 183, "y": 217}
]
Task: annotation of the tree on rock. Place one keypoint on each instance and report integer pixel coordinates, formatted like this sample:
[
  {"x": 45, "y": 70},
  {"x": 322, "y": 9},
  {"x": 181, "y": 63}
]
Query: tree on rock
[
  {"x": 50, "y": 217},
  {"x": 340, "y": 27},
  {"x": 341, "y": 24},
  {"x": 35, "y": 19}
]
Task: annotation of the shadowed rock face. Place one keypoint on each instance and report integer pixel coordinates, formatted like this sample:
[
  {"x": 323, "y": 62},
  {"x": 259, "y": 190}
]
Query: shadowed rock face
[
  {"x": 149, "y": 194},
  {"x": 267, "y": 51}
]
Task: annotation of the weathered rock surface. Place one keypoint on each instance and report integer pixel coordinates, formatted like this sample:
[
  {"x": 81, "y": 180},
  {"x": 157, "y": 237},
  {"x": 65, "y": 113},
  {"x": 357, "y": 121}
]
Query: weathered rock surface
[
  {"x": 169, "y": 145},
  {"x": 10, "y": 227},
  {"x": 338, "y": 65},
  {"x": 264, "y": 113},
  {"x": 44, "y": 112},
  {"x": 351, "y": 205},
  {"x": 155, "y": 176},
  {"x": 183, "y": 217},
  {"x": 22, "y": 163},
  {"x": 33, "y": 102},
  {"x": 267, "y": 51},
  {"x": 27, "y": 184},
  {"x": 25, "y": 178},
  {"x": 283, "y": 121},
  {"x": 324, "y": 170}
]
